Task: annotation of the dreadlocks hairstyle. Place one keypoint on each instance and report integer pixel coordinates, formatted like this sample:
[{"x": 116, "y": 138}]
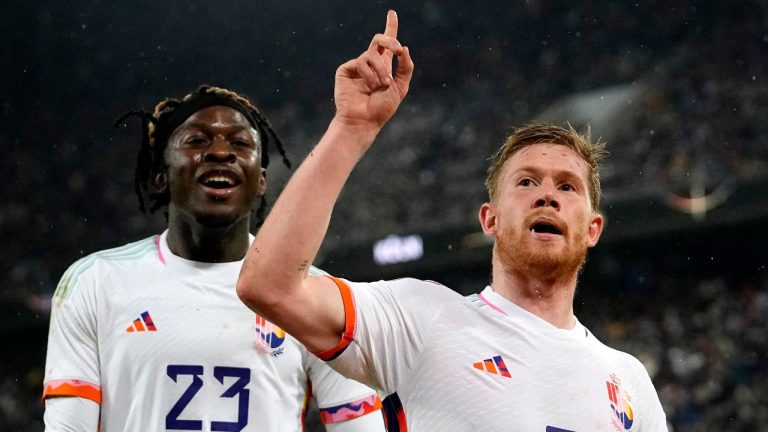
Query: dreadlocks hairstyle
[{"x": 158, "y": 126}]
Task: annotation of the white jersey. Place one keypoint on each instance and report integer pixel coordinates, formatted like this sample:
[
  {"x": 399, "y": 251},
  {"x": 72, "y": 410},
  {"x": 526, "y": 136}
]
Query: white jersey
[
  {"x": 163, "y": 343},
  {"x": 444, "y": 362}
]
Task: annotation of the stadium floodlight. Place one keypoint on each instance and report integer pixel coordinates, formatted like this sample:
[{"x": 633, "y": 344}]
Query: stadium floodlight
[{"x": 396, "y": 249}]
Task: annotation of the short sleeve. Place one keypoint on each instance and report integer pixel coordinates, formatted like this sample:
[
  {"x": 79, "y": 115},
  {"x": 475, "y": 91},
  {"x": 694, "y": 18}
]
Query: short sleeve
[
  {"x": 72, "y": 360},
  {"x": 653, "y": 418},
  {"x": 392, "y": 321},
  {"x": 340, "y": 399}
]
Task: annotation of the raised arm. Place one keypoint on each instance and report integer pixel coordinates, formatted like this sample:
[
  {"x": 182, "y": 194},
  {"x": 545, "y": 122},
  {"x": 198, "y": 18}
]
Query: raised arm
[{"x": 275, "y": 280}]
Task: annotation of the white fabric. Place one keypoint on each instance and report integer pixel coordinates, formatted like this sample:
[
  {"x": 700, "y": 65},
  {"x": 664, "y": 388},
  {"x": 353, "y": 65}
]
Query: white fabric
[
  {"x": 71, "y": 414},
  {"x": 202, "y": 365},
  {"x": 423, "y": 343}
]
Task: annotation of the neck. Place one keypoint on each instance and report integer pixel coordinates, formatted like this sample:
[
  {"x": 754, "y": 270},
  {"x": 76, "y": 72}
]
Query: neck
[
  {"x": 548, "y": 297},
  {"x": 191, "y": 240}
]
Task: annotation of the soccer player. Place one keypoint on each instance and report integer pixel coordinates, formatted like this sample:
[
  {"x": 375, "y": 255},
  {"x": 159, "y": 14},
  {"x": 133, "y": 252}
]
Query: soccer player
[
  {"x": 512, "y": 357},
  {"x": 151, "y": 336}
]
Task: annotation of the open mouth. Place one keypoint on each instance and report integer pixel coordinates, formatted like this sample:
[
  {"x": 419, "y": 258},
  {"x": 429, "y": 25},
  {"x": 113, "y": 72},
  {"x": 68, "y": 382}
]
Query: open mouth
[
  {"x": 545, "y": 227},
  {"x": 219, "y": 180}
]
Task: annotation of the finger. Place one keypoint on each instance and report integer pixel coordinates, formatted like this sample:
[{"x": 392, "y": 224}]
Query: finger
[
  {"x": 365, "y": 70},
  {"x": 390, "y": 30},
  {"x": 392, "y": 23},
  {"x": 379, "y": 66},
  {"x": 381, "y": 43},
  {"x": 358, "y": 69},
  {"x": 404, "y": 71},
  {"x": 385, "y": 47}
]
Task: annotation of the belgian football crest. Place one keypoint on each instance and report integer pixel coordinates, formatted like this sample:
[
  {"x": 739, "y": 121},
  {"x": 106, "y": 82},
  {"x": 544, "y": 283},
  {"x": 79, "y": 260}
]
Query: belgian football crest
[
  {"x": 269, "y": 337},
  {"x": 622, "y": 415}
]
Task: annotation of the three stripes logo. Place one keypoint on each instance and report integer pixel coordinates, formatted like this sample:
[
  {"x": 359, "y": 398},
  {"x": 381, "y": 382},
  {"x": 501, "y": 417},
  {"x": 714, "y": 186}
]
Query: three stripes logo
[
  {"x": 493, "y": 366},
  {"x": 142, "y": 323}
]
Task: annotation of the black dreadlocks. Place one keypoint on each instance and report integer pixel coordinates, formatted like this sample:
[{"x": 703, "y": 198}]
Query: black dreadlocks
[{"x": 158, "y": 127}]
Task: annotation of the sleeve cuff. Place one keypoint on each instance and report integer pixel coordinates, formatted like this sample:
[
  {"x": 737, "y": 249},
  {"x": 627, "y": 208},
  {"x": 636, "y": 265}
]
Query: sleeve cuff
[
  {"x": 73, "y": 387},
  {"x": 350, "y": 410},
  {"x": 349, "y": 322}
]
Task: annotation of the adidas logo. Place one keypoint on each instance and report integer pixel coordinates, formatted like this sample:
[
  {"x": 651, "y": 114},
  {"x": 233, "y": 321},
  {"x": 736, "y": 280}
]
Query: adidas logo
[
  {"x": 142, "y": 323},
  {"x": 494, "y": 366}
]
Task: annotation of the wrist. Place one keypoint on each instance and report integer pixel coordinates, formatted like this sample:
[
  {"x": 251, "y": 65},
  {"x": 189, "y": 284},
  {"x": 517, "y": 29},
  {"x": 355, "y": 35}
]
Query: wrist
[{"x": 356, "y": 133}]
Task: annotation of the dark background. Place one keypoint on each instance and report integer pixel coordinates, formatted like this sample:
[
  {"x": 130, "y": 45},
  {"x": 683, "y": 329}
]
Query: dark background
[{"x": 677, "y": 89}]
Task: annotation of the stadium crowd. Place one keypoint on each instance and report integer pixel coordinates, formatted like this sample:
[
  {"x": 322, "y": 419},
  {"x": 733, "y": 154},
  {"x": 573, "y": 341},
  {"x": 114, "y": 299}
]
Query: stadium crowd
[{"x": 700, "y": 115}]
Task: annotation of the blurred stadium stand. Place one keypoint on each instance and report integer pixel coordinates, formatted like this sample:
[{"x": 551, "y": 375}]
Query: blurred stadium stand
[{"x": 678, "y": 89}]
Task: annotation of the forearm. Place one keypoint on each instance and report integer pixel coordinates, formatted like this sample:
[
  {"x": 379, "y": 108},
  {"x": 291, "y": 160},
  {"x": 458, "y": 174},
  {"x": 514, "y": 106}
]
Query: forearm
[{"x": 287, "y": 243}]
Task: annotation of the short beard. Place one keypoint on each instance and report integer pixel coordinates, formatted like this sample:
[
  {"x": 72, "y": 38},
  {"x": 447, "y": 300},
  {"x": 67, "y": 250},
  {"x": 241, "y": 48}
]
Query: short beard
[{"x": 540, "y": 264}]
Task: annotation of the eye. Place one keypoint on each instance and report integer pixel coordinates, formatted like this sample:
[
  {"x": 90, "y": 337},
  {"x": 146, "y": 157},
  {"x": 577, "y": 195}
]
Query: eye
[
  {"x": 197, "y": 140},
  {"x": 241, "y": 143},
  {"x": 567, "y": 187},
  {"x": 525, "y": 182}
]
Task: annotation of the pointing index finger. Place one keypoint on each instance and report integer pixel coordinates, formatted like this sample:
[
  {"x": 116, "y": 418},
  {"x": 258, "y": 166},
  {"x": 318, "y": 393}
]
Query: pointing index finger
[{"x": 391, "y": 28}]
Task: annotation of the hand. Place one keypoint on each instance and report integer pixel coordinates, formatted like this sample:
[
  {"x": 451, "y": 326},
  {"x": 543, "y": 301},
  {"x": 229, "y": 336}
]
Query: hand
[{"x": 366, "y": 93}]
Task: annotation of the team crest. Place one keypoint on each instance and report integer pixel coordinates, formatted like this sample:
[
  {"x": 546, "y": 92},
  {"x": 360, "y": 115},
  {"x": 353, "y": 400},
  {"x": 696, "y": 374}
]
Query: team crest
[
  {"x": 269, "y": 337},
  {"x": 622, "y": 415}
]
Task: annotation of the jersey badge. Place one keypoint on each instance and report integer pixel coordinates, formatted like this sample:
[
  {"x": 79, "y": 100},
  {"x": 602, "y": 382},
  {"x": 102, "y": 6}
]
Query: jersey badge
[
  {"x": 142, "y": 323},
  {"x": 493, "y": 366},
  {"x": 622, "y": 415},
  {"x": 269, "y": 337}
]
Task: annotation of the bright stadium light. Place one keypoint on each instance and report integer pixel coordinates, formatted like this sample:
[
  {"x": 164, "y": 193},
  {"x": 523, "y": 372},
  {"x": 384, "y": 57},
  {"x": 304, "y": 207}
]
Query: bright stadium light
[{"x": 395, "y": 249}]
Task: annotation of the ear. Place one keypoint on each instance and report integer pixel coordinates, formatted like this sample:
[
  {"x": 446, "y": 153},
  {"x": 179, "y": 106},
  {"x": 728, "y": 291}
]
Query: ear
[
  {"x": 263, "y": 182},
  {"x": 488, "y": 221},
  {"x": 595, "y": 229},
  {"x": 160, "y": 181}
]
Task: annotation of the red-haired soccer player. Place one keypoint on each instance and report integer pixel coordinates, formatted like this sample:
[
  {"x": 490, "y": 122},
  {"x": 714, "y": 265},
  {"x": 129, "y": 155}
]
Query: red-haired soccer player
[{"x": 510, "y": 358}]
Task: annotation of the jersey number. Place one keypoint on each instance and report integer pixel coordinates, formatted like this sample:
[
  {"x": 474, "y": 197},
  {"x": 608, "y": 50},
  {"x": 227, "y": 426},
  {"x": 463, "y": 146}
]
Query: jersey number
[{"x": 237, "y": 388}]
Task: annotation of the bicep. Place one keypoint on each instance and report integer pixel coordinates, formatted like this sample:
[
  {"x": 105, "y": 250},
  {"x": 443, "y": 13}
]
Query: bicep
[
  {"x": 71, "y": 414},
  {"x": 314, "y": 314}
]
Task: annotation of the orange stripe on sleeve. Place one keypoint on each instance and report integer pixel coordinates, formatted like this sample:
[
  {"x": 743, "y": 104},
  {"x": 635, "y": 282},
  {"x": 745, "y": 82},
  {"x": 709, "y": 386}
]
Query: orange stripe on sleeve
[
  {"x": 83, "y": 389},
  {"x": 349, "y": 322}
]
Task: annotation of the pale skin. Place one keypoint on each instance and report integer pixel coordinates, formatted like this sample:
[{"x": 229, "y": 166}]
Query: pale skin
[
  {"x": 542, "y": 183},
  {"x": 274, "y": 280}
]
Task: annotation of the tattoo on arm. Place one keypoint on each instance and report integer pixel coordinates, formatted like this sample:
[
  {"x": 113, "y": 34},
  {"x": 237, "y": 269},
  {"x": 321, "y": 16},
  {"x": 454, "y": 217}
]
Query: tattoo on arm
[{"x": 303, "y": 265}]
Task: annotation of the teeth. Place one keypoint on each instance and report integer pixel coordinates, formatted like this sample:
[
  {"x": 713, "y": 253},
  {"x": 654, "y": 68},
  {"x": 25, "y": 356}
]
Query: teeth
[{"x": 220, "y": 179}]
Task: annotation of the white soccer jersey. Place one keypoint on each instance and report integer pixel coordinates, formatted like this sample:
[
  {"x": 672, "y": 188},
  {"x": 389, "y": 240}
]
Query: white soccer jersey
[
  {"x": 481, "y": 363},
  {"x": 164, "y": 343}
]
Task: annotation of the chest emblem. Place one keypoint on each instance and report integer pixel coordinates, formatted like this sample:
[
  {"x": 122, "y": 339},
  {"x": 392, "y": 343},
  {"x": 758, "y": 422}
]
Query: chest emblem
[
  {"x": 622, "y": 415},
  {"x": 269, "y": 337},
  {"x": 142, "y": 323},
  {"x": 494, "y": 366}
]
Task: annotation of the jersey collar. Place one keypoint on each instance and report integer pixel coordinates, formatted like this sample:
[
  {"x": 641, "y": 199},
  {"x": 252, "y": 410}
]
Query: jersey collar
[{"x": 506, "y": 307}]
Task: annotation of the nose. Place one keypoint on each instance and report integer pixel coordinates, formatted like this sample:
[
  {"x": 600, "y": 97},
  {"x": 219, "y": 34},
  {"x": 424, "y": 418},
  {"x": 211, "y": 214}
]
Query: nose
[
  {"x": 220, "y": 151},
  {"x": 547, "y": 200}
]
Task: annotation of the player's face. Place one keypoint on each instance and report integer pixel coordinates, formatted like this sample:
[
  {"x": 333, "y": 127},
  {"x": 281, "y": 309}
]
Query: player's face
[
  {"x": 542, "y": 219},
  {"x": 214, "y": 167}
]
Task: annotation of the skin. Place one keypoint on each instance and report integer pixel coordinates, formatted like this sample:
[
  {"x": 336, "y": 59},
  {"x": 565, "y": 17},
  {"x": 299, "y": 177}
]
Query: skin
[
  {"x": 207, "y": 224},
  {"x": 274, "y": 281},
  {"x": 538, "y": 271}
]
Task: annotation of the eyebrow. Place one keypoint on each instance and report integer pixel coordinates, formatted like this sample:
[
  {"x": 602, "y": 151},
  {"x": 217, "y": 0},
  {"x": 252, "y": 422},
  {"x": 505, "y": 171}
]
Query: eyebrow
[
  {"x": 570, "y": 174},
  {"x": 202, "y": 125}
]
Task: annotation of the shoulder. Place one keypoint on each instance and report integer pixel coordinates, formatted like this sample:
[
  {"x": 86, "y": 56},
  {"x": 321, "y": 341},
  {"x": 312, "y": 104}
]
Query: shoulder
[
  {"x": 629, "y": 362},
  {"x": 411, "y": 288},
  {"x": 101, "y": 263}
]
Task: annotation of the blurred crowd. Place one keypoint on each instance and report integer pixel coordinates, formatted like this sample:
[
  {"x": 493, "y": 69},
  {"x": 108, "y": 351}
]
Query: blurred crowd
[{"x": 697, "y": 114}]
